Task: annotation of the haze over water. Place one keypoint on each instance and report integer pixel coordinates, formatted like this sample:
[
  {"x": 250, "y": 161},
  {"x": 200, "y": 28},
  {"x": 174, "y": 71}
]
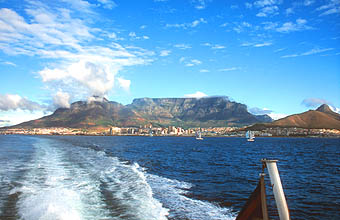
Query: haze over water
[{"x": 67, "y": 177}]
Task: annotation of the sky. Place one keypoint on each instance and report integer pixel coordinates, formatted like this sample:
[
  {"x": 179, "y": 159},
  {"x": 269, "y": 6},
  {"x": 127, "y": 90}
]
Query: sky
[{"x": 278, "y": 57}]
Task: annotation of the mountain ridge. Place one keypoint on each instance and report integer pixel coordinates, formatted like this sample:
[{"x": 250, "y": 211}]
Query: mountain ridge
[
  {"x": 322, "y": 117},
  {"x": 185, "y": 112}
]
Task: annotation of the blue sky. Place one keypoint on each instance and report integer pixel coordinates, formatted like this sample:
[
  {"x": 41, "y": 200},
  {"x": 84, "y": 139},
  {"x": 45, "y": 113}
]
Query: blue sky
[{"x": 276, "y": 56}]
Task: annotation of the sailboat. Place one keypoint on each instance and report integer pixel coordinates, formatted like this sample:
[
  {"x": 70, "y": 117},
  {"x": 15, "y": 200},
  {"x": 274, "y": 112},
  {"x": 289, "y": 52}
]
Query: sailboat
[
  {"x": 256, "y": 206},
  {"x": 250, "y": 136},
  {"x": 199, "y": 135}
]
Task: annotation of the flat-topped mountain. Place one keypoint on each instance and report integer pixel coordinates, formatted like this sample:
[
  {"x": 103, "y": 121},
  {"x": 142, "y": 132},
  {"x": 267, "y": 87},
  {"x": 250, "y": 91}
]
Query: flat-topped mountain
[
  {"x": 185, "y": 112},
  {"x": 322, "y": 117}
]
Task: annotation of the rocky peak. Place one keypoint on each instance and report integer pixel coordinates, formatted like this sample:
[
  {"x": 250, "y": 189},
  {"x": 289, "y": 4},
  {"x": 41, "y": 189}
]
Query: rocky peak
[{"x": 324, "y": 108}]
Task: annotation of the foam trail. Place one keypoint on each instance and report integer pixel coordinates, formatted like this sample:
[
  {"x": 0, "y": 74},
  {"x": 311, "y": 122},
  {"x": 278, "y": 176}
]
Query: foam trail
[
  {"x": 130, "y": 195},
  {"x": 171, "y": 193},
  {"x": 50, "y": 190}
]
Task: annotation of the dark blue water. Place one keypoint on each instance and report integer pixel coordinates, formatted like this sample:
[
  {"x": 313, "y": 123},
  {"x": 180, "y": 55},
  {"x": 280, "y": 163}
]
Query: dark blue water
[{"x": 174, "y": 177}]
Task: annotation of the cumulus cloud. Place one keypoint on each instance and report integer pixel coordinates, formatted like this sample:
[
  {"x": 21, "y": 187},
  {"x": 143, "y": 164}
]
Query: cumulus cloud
[
  {"x": 93, "y": 73},
  {"x": 124, "y": 83},
  {"x": 15, "y": 102},
  {"x": 193, "y": 62},
  {"x": 314, "y": 102},
  {"x": 269, "y": 10},
  {"x": 61, "y": 100},
  {"x": 266, "y": 7},
  {"x": 58, "y": 35},
  {"x": 299, "y": 25},
  {"x": 197, "y": 95}
]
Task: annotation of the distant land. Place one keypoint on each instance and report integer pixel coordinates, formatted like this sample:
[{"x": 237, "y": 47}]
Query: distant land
[
  {"x": 158, "y": 112},
  {"x": 321, "y": 118}
]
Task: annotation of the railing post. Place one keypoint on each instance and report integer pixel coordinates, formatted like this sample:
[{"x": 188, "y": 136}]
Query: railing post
[{"x": 275, "y": 180}]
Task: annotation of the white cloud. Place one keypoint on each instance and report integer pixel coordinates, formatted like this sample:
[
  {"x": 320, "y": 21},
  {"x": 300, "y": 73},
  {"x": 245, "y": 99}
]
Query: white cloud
[
  {"x": 307, "y": 53},
  {"x": 193, "y": 62},
  {"x": 193, "y": 24},
  {"x": 264, "y": 3},
  {"x": 248, "y": 5},
  {"x": 79, "y": 5},
  {"x": 217, "y": 47},
  {"x": 9, "y": 63},
  {"x": 214, "y": 47},
  {"x": 228, "y": 69},
  {"x": 165, "y": 53},
  {"x": 200, "y": 4},
  {"x": 109, "y": 4},
  {"x": 268, "y": 10},
  {"x": 333, "y": 7},
  {"x": 299, "y": 25},
  {"x": 277, "y": 116},
  {"x": 182, "y": 46},
  {"x": 14, "y": 117},
  {"x": 132, "y": 34},
  {"x": 204, "y": 71},
  {"x": 314, "y": 102},
  {"x": 289, "y": 11},
  {"x": 124, "y": 83},
  {"x": 197, "y": 95},
  {"x": 265, "y": 44},
  {"x": 335, "y": 109},
  {"x": 94, "y": 73},
  {"x": 54, "y": 34},
  {"x": 308, "y": 2},
  {"x": 260, "y": 111},
  {"x": 15, "y": 102},
  {"x": 61, "y": 100},
  {"x": 46, "y": 30}
]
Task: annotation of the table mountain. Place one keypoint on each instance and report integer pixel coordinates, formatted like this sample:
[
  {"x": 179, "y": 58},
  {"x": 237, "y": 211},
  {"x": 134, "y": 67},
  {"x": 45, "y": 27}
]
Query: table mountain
[{"x": 185, "y": 112}]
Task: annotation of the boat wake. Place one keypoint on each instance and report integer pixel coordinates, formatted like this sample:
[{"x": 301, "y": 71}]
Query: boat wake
[{"x": 63, "y": 182}]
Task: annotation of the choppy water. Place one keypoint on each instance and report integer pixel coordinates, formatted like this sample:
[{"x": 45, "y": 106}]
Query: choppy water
[{"x": 161, "y": 177}]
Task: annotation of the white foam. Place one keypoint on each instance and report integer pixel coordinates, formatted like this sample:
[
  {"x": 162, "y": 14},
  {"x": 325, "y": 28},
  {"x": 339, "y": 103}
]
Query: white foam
[
  {"x": 71, "y": 183},
  {"x": 56, "y": 189},
  {"x": 61, "y": 204},
  {"x": 171, "y": 193}
]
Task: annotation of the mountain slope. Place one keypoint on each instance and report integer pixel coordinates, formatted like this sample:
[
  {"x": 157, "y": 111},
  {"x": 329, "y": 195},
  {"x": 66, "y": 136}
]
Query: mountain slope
[
  {"x": 323, "y": 117},
  {"x": 186, "y": 112},
  {"x": 83, "y": 114}
]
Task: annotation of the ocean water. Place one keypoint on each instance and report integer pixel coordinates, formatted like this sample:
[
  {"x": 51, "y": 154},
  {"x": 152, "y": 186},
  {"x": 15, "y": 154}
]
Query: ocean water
[{"x": 71, "y": 177}]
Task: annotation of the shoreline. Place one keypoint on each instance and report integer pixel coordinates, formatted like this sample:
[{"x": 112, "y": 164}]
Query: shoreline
[{"x": 160, "y": 136}]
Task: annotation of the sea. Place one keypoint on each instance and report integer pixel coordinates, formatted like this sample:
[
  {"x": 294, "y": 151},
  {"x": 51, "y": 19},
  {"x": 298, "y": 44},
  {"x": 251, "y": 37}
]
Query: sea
[{"x": 149, "y": 178}]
